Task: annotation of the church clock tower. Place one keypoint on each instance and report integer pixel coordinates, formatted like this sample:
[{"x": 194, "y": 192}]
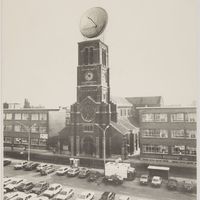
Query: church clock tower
[{"x": 93, "y": 110}]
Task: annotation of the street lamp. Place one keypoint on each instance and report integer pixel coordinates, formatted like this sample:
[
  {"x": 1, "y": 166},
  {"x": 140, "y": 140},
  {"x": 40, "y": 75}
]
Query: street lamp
[
  {"x": 104, "y": 142},
  {"x": 28, "y": 129}
]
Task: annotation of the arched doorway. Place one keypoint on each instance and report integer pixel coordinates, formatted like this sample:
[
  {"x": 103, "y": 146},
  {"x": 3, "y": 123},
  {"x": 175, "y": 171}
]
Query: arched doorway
[{"x": 88, "y": 146}]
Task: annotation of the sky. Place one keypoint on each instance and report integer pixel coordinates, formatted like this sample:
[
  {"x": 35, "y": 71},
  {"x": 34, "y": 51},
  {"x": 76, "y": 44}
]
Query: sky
[{"x": 152, "y": 49}]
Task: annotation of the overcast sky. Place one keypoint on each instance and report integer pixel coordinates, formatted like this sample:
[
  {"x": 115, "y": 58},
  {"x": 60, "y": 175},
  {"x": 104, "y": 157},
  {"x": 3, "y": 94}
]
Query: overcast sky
[{"x": 152, "y": 49}]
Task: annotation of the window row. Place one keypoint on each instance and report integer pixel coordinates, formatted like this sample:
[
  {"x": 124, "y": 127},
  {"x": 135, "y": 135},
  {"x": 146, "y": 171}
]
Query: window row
[
  {"x": 25, "y": 116},
  {"x": 34, "y": 141},
  {"x": 161, "y": 133},
  {"x": 20, "y": 128},
  {"x": 162, "y": 149},
  {"x": 88, "y": 128},
  {"x": 163, "y": 117},
  {"x": 124, "y": 112}
]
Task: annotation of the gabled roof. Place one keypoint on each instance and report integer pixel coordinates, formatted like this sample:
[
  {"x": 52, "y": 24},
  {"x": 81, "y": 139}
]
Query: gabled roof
[
  {"x": 121, "y": 101},
  {"x": 145, "y": 101}
]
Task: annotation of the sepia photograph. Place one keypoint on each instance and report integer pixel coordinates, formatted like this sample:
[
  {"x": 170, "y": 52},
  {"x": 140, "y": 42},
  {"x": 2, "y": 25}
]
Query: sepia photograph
[{"x": 99, "y": 99}]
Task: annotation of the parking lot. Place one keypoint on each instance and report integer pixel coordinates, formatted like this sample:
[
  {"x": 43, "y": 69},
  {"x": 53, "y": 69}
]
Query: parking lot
[{"x": 131, "y": 188}]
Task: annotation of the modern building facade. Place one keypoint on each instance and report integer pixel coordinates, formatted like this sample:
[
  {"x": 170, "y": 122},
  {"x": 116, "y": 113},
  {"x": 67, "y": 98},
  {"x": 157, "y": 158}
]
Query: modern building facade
[
  {"x": 168, "y": 132},
  {"x": 38, "y": 124}
]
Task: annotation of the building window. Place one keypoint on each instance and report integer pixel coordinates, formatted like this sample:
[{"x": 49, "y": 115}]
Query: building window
[
  {"x": 7, "y": 127},
  {"x": 34, "y": 116},
  {"x": 155, "y": 149},
  {"x": 17, "y": 128},
  {"x": 42, "y": 142},
  {"x": 147, "y": 117},
  {"x": 177, "y": 117},
  {"x": 160, "y": 117},
  {"x": 43, "y": 129},
  {"x": 34, "y": 141},
  {"x": 43, "y": 116},
  {"x": 4, "y": 116},
  {"x": 190, "y": 134},
  {"x": 88, "y": 128},
  {"x": 104, "y": 57},
  {"x": 190, "y": 117},
  {"x": 35, "y": 129},
  {"x": 18, "y": 116},
  {"x": 8, "y": 116},
  {"x": 25, "y": 116},
  {"x": 178, "y": 150},
  {"x": 8, "y": 140},
  {"x": 24, "y": 140},
  {"x": 155, "y": 133},
  {"x": 91, "y": 55},
  {"x": 190, "y": 150},
  {"x": 86, "y": 56},
  {"x": 178, "y": 134}
]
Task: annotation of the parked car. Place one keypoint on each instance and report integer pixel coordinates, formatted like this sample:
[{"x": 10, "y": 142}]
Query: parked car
[
  {"x": 13, "y": 184},
  {"x": 6, "y": 162},
  {"x": 7, "y": 180},
  {"x": 188, "y": 185},
  {"x": 84, "y": 172},
  {"x": 86, "y": 196},
  {"x": 40, "y": 198},
  {"x": 172, "y": 184},
  {"x": 73, "y": 172},
  {"x": 113, "y": 179},
  {"x": 24, "y": 196},
  {"x": 65, "y": 194},
  {"x": 47, "y": 170},
  {"x": 41, "y": 166},
  {"x": 144, "y": 179},
  {"x": 62, "y": 170},
  {"x": 30, "y": 166},
  {"x": 40, "y": 187},
  {"x": 94, "y": 175},
  {"x": 52, "y": 190},
  {"x": 156, "y": 181},
  {"x": 124, "y": 197},
  {"x": 25, "y": 186},
  {"x": 11, "y": 195},
  {"x": 108, "y": 196},
  {"x": 20, "y": 165}
]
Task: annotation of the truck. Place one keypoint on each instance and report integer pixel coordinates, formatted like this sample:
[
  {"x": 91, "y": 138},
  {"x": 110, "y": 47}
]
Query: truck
[{"x": 116, "y": 172}]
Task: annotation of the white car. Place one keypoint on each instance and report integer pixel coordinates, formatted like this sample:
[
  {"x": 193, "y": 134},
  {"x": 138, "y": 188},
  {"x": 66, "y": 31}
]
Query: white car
[
  {"x": 62, "y": 170},
  {"x": 65, "y": 194},
  {"x": 41, "y": 166},
  {"x": 86, "y": 196},
  {"x": 7, "y": 180},
  {"x": 13, "y": 184},
  {"x": 24, "y": 196},
  {"x": 124, "y": 197},
  {"x": 11, "y": 195},
  {"x": 20, "y": 165},
  {"x": 156, "y": 181},
  {"x": 52, "y": 190},
  {"x": 39, "y": 198}
]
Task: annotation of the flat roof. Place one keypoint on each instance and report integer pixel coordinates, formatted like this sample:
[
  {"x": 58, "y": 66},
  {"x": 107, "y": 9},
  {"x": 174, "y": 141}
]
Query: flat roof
[
  {"x": 158, "y": 168},
  {"x": 31, "y": 109},
  {"x": 166, "y": 107}
]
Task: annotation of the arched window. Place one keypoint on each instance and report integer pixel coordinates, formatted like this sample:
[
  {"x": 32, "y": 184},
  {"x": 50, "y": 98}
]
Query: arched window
[
  {"x": 86, "y": 56},
  {"x": 91, "y": 55}
]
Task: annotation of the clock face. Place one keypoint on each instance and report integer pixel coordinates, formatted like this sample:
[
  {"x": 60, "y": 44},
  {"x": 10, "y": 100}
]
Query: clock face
[
  {"x": 93, "y": 22},
  {"x": 88, "y": 113},
  {"x": 89, "y": 76}
]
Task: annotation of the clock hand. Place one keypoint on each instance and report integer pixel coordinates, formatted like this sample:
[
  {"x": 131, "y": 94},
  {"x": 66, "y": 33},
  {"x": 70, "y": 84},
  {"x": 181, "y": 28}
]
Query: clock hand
[{"x": 92, "y": 21}]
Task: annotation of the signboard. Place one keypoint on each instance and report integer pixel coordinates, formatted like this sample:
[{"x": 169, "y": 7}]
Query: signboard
[{"x": 43, "y": 136}]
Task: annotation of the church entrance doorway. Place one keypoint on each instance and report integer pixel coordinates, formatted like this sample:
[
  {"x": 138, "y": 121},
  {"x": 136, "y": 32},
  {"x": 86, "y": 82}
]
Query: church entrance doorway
[{"x": 88, "y": 146}]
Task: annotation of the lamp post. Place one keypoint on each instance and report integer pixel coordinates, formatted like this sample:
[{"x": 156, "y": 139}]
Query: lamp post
[
  {"x": 104, "y": 142},
  {"x": 28, "y": 129}
]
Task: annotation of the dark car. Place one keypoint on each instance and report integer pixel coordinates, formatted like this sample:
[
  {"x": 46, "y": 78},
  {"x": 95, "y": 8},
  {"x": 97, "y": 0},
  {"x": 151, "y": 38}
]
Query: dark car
[
  {"x": 188, "y": 186},
  {"x": 47, "y": 170},
  {"x": 172, "y": 184},
  {"x": 6, "y": 162},
  {"x": 84, "y": 172},
  {"x": 107, "y": 196},
  {"x": 94, "y": 175},
  {"x": 113, "y": 179},
  {"x": 40, "y": 187},
  {"x": 25, "y": 186},
  {"x": 30, "y": 166}
]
